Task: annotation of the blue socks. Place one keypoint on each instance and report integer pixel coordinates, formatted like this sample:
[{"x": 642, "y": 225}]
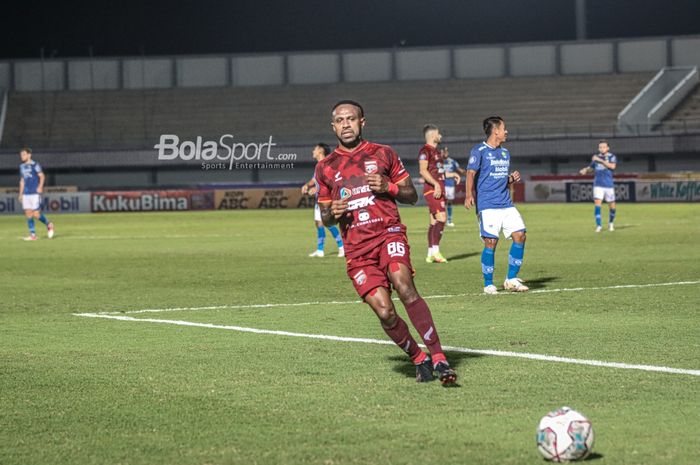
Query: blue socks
[
  {"x": 43, "y": 219},
  {"x": 612, "y": 215},
  {"x": 597, "y": 215},
  {"x": 449, "y": 213},
  {"x": 336, "y": 236},
  {"x": 515, "y": 259},
  {"x": 320, "y": 237},
  {"x": 30, "y": 222},
  {"x": 487, "y": 260}
]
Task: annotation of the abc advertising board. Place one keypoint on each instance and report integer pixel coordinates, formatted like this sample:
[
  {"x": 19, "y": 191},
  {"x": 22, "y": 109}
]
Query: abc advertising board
[
  {"x": 583, "y": 191},
  {"x": 70, "y": 202},
  {"x": 243, "y": 199},
  {"x": 668, "y": 191},
  {"x": 545, "y": 191},
  {"x": 141, "y": 201}
]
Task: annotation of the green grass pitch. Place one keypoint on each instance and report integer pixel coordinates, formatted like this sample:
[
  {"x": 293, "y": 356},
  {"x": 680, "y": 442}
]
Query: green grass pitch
[{"x": 76, "y": 390}]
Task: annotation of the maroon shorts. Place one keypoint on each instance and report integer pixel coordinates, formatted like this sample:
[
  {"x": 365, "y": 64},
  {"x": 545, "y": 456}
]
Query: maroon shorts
[
  {"x": 435, "y": 205},
  {"x": 370, "y": 271}
]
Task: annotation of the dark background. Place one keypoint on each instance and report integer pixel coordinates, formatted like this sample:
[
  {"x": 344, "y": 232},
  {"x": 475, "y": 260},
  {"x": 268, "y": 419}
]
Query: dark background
[{"x": 66, "y": 29}]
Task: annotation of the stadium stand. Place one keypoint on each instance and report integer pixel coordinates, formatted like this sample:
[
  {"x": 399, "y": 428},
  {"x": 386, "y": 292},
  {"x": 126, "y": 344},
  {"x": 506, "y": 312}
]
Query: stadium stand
[
  {"x": 121, "y": 119},
  {"x": 689, "y": 109}
]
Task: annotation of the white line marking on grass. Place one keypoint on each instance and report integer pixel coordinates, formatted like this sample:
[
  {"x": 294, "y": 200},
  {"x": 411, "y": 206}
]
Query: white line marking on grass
[
  {"x": 348, "y": 302},
  {"x": 497, "y": 353}
]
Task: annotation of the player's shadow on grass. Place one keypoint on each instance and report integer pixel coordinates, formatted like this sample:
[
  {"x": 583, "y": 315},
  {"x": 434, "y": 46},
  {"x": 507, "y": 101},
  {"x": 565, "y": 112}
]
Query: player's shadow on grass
[
  {"x": 462, "y": 256},
  {"x": 540, "y": 283},
  {"x": 593, "y": 456},
  {"x": 408, "y": 369}
]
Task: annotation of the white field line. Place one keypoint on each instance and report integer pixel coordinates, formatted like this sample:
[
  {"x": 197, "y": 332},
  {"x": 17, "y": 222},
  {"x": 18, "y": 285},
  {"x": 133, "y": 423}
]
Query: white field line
[
  {"x": 497, "y": 353},
  {"x": 348, "y": 302}
]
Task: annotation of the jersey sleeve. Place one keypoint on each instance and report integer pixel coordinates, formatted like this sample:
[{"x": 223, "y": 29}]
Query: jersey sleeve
[
  {"x": 423, "y": 156},
  {"x": 613, "y": 158},
  {"x": 397, "y": 172},
  {"x": 37, "y": 167},
  {"x": 323, "y": 191},
  {"x": 474, "y": 162}
]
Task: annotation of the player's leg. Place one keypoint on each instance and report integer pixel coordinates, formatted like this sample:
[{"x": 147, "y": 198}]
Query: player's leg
[
  {"x": 49, "y": 226},
  {"x": 431, "y": 245},
  {"x": 396, "y": 328},
  {"x": 610, "y": 199},
  {"x": 401, "y": 278},
  {"x": 338, "y": 239},
  {"x": 449, "y": 197},
  {"x": 29, "y": 214},
  {"x": 438, "y": 229},
  {"x": 489, "y": 226},
  {"x": 514, "y": 228},
  {"x": 320, "y": 233},
  {"x": 598, "y": 194}
]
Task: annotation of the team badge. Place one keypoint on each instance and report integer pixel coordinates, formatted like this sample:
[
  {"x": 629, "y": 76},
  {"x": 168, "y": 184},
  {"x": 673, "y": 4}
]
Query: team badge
[
  {"x": 360, "y": 277},
  {"x": 345, "y": 193},
  {"x": 371, "y": 166}
]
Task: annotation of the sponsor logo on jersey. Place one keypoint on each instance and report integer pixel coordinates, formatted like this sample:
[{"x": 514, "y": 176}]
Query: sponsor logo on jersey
[
  {"x": 363, "y": 215},
  {"x": 338, "y": 177},
  {"x": 362, "y": 202},
  {"x": 371, "y": 166},
  {"x": 472, "y": 159},
  {"x": 345, "y": 193}
]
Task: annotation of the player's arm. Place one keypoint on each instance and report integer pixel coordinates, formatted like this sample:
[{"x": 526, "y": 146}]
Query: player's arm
[
  {"x": 21, "y": 189},
  {"x": 427, "y": 177},
  {"x": 469, "y": 199},
  {"x": 454, "y": 175},
  {"x": 403, "y": 191},
  {"x": 607, "y": 164},
  {"x": 42, "y": 178},
  {"x": 307, "y": 185}
]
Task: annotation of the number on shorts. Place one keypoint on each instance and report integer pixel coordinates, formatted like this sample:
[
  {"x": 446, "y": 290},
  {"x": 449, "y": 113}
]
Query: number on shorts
[{"x": 396, "y": 249}]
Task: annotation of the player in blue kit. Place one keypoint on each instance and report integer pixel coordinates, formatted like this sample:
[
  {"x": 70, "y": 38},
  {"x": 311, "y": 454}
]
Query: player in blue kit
[
  {"x": 488, "y": 181},
  {"x": 320, "y": 152},
  {"x": 31, "y": 186},
  {"x": 452, "y": 179},
  {"x": 603, "y": 164}
]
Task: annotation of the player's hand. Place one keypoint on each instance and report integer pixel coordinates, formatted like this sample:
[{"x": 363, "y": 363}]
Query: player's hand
[
  {"x": 469, "y": 201},
  {"x": 311, "y": 191},
  {"x": 583, "y": 171},
  {"x": 304, "y": 189},
  {"x": 377, "y": 183},
  {"x": 596, "y": 158},
  {"x": 516, "y": 176},
  {"x": 339, "y": 208},
  {"x": 19, "y": 197},
  {"x": 39, "y": 190},
  {"x": 457, "y": 178},
  {"x": 438, "y": 191}
]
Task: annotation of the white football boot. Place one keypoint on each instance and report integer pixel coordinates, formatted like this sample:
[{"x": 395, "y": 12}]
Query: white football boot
[{"x": 515, "y": 285}]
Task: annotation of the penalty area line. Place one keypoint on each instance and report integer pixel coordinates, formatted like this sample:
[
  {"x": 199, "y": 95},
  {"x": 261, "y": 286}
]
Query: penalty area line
[
  {"x": 349, "y": 302},
  {"x": 496, "y": 353}
]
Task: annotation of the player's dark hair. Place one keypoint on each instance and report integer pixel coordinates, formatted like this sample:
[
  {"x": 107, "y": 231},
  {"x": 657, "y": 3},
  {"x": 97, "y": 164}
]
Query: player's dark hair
[
  {"x": 429, "y": 127},
  {"x": 326, "y": 149},
  {"x": 349, "y": 102},
  {"x": 25, "y": 149},
  {"x": 490, "y": 123},
  {"x": 603, "y": 141}
]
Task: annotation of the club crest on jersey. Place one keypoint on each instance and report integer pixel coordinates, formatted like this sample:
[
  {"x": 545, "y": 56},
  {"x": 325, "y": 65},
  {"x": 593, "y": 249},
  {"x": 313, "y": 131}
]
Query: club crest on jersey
[
  {"x": 503, "y": 152},
  {"x": 371, "y": 167},
  {"x": 360, "y": 277},
  {"x": 345, "y": 193}
]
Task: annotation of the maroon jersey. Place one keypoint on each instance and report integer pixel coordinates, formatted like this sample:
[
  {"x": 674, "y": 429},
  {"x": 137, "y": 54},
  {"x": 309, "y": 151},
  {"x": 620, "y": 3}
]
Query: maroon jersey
[
  {"x": 434, "y": 159},
  {"x": 370, "y": 216}
]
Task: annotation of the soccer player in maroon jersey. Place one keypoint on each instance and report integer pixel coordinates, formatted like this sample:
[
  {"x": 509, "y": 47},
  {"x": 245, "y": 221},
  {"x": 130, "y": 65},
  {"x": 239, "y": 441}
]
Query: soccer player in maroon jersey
[
  {"x": 430, "y": 164},
  {"x": 358, "y": 186}
]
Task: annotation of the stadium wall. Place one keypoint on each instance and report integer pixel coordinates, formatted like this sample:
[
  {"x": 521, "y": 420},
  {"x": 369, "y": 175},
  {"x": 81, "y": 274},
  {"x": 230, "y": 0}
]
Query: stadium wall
[
  {"x": 456, "y": 62},
  {"x": 285, "y": 196}
]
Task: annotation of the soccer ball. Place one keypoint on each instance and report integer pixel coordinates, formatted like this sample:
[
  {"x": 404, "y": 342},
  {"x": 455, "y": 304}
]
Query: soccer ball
[{"x": 564, "y": 435}]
